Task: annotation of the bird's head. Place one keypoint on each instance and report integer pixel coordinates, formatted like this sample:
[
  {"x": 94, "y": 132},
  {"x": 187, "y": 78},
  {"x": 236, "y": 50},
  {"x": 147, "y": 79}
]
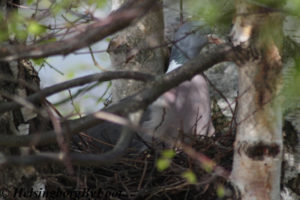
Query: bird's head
[{"x": 189, "y": 39}]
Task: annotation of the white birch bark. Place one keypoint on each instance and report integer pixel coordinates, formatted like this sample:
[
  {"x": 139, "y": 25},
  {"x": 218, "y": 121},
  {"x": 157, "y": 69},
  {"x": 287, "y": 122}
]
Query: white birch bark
[{"x": 258, "y": 145}]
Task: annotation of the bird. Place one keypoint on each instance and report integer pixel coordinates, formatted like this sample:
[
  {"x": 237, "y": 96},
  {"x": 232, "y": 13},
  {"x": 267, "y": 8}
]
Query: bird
[{"x": 186, "y": 108}]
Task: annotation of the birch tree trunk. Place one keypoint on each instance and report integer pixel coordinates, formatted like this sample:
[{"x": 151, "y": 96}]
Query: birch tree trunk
[{"x": 258, "y": 145}]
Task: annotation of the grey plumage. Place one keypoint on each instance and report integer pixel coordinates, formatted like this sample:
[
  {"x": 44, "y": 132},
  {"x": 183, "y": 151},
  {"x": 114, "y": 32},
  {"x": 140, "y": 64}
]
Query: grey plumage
[
  {"x": 185, "y": 108},
  {"x": 190, "y": 38}
]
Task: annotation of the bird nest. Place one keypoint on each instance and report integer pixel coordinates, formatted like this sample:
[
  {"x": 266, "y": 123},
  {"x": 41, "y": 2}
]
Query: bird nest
[{"x": 138, "y": 177}]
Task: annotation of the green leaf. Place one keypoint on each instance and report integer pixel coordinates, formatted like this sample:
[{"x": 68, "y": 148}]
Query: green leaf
[
  {"x": 162, "y": 164},
  {"x": 207, "y": 166},
  {"x": 70, "y": 74},
  {"x": 77, "y": 107},
  {"x": 29, "y": 2},
  {"x": 190, "y": 176},
  {"x": 168, "y": 153},
  {"x": 220, "y": 191},
  {"x": 60, "y": 5},
  {"x": 97, "y": 3},
  {"x": 101, "y": 3},
  {"x": 16, "y": 28},
  {"x": 38, "y": 61},
  {"x": 36, "y": 28}
]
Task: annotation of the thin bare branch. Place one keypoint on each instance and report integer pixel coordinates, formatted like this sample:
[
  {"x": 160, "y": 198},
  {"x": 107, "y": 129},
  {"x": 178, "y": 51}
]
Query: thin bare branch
[
  {"x": 114, "y": 155},
  {"x": 140, "y": 100},
  {"x": 88, "y": 35},
  {"x": 104, "y": 76}
]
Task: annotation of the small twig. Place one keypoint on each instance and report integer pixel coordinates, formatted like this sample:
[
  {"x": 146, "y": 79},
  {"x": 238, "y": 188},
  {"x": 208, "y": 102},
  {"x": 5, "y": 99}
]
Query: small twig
[
  {"x": 95, "y": 61},
  {"x": 219, "y": 92},
  {"x": 22, "y": 82},
  {"x": 125, "y": 187},
  {"x": 61, "y": 142},
  {"x": 54, "y": 68},
  {"x": 143, "y": 174},
  {"x": 79, "y": 92},
  {"x": 100, "y": 99},
  {"x": 181, "y": 11},
  {"x": 22, "y": 101}
]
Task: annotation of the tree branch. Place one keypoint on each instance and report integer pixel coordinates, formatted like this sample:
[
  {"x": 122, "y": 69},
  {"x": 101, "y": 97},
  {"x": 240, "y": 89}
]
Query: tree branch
[
  {"x": 96, "y": 159},
  {"x": 90, "y": 34},
  {"x": 111, "y": 156},
  {"x": 134, "y": 102},
  {"x": 104, "y": 76}
]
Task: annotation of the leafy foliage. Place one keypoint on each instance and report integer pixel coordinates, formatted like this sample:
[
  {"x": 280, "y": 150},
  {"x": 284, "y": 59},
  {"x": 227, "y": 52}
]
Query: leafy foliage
[
  {"x": 165, "y": 160},
  {"x": 190, "y": 176}
]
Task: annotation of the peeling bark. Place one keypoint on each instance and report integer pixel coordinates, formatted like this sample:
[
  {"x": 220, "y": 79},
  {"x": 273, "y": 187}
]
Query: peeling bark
[{"x": 258, "y": 145}]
